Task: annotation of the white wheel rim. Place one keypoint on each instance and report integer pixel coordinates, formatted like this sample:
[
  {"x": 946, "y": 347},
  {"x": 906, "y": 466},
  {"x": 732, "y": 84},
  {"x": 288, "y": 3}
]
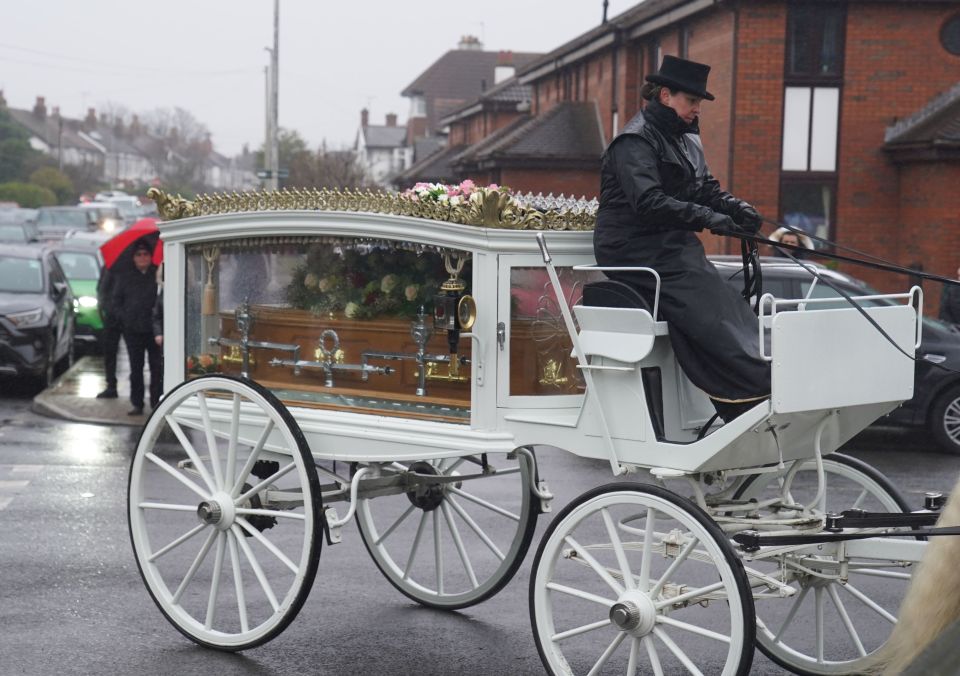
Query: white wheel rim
[
  {"x": 479, "y": 527},
  {"x": 567, "y": 611},
  {"x": 827, "y": 642},
  {"x": 261, "y": 576}
]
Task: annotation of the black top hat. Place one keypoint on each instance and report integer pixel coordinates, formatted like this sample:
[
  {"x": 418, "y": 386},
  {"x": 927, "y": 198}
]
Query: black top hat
[{"x": 682, "y": 75}]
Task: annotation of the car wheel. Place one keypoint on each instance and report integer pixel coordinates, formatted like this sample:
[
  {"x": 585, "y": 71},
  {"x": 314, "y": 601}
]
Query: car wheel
[
  {"x": 944, "y": 419},
  {"x": 47, "y": 375},
  {"x": 67, "y": 360}
]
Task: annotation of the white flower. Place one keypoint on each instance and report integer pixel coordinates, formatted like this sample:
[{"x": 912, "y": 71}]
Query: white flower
[{"x": 351, "y": 310}]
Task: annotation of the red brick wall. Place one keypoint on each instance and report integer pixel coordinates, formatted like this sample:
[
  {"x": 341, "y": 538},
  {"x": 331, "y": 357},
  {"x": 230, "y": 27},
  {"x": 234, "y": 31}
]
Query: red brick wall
[
  {"x": 566, "y": 181},
  {"x": 894, "y": 66},
  {"x": 930, "y": 214}
]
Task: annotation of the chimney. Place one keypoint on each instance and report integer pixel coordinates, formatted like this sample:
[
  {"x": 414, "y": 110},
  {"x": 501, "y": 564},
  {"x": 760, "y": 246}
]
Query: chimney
[
  {"x": 470, "y": 43},
  {"x": 135, "y": 128},
  {"x": 364, "y": 118},
  {"x": 55, "y": 112},
  {"x": 90, "y": 121},
  {"x": 3, "y": 101},
  {"x": 391, "y": 119},
  {"x": 40, "y": 108},
  {"x": 207, "y": 145},
  {"x": 504, "y": 69}
]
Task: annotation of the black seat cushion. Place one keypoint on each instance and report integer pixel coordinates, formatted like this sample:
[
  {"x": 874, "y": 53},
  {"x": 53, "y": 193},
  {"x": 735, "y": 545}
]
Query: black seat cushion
[{"x": 611, "y": 293}]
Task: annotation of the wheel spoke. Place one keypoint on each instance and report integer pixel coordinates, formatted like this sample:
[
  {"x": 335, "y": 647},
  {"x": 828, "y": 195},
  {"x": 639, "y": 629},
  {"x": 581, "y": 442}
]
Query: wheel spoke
[
  {"x": 653, "y": 655},
  {"x": 692, "y": 628},
  {"x": 251, "y": 460},
  {"x": 192, "y": 570},
  {"x": 672, "y": 568},
  {"x": 483, "y": 503},
  {"x": 437, "y": 552},
  {"x": 577, "y": 631},
  {"x": 415, "y": 545},
  {"x": 272, "y": 548},
  {"x": 634, "y": 657},
  {"x": 686, "y": 596},
  {"x": 579, "y": 593},
  {"x": 790, "y": 615},
  {"x": 211, "y": 439},
  {"x": 255, "y": 564},
  {"x": 283, "y": 471},
  {"x": 818, "y": 620},
  {"x": 476, "y": 529},
  {"x": 192, "y": 453},
  {"x": 458, "y": 542},
  {"x": 845, "y": 618},
  {"x": 675, "y": 649},
  {"x": 234, "y": 436},
  {"x": 628, "y": 580},
  {"x": 614, "y": 644},
  {"x": 167, "y": 506},
  {"x": 176, "y": 543},
  {"x": 394, "y": 525},
  {"x": 647, "y": 553},
  {"x": 593, "y": 563},
  {"x": 238, "y": 582},
  {"x": 864, "y": 494},
  {"x": 215, "y": 580},
  {"x": 870, "y": 603},
  {"x": 162, "y": 464}
]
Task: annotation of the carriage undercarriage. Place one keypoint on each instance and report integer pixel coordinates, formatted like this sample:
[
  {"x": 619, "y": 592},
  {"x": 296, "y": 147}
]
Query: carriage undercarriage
[{"x": 673, "y": 568}]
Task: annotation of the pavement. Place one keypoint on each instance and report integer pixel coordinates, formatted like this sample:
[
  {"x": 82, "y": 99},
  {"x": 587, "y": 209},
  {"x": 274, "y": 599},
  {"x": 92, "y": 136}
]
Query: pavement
[{"x": 73, "y": 396}]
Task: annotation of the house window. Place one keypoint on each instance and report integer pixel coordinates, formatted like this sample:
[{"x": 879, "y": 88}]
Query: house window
[
  {"x": 808, "y": 202},
  {"x": 815, "y": 41},
  {"x": 950, "y": 35},
  {"x": 810, "y": 121}
]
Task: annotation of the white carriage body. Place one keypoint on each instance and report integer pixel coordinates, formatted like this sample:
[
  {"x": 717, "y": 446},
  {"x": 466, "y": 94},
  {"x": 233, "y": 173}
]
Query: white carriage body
[{"x": 833, "y": 372}]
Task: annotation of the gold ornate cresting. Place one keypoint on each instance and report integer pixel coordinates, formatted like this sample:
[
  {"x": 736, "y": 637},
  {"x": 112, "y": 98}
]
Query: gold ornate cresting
[{"x": 485, "y": 208}]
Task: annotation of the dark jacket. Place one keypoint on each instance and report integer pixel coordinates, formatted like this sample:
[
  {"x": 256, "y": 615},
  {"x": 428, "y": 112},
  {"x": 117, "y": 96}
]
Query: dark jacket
[
  {"x": 654, "y": 179},
  {"x": 157, "y": 316},
  {"x": 105, "y": 288},
  {"x": 133, "y": 300},
  {"x": 950, "y": 304}
]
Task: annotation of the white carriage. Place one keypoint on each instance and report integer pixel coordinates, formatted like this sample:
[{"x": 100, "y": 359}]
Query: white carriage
[{"x": 305, "y": 387}]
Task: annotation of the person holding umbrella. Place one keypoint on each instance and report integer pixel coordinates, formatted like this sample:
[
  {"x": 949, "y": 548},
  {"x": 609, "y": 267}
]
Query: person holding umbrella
[{"x": 134, "y": 296}]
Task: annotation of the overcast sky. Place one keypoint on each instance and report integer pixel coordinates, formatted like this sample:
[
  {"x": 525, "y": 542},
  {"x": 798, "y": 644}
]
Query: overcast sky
[{"x": 208, "y": 56}]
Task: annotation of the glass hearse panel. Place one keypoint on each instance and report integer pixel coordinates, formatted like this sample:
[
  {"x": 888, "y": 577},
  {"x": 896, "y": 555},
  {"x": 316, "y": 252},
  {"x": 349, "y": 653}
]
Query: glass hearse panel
[{"x": 344, "y": 323}]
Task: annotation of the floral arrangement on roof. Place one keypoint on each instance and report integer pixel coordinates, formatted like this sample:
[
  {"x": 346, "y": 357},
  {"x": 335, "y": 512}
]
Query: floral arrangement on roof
[
  {"x": 366, "y": 280},
  {"x": 449, "y": 194}
]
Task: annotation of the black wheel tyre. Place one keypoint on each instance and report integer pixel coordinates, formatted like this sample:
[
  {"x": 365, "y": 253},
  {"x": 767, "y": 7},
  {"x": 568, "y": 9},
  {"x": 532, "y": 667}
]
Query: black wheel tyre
[
  {"x": 49, "y": 372},
  {"x": 944, "y": 420}
]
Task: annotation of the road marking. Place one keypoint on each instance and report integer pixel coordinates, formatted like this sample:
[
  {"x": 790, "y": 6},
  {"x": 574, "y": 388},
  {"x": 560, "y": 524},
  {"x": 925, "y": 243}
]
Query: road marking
[{"x": 18, "y": 485}]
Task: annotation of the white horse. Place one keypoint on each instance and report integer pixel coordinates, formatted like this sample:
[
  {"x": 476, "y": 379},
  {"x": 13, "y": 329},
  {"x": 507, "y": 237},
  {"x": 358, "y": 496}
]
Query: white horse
[{"x": 932, "y": 602}]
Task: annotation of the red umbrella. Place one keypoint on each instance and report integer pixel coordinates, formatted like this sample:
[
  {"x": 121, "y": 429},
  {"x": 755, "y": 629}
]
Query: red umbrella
[{"x": 144, "y": 229}]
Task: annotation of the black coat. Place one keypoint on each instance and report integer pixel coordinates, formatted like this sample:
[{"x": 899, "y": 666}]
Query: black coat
[
  {"x": 655, "y": 192},
  {"x": 133, "y": 298},
  {"x": 106, "y": 286}
]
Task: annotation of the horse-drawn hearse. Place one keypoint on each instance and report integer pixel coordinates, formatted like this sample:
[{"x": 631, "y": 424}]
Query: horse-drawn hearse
[{"x": 412, "y": 364}]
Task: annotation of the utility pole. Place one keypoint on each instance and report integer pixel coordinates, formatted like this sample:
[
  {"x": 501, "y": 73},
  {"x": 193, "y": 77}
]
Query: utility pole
[{"x": 273, "y": 183}]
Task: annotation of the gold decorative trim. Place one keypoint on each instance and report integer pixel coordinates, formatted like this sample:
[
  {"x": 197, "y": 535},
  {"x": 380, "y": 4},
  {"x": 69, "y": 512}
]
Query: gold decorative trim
[{"x": 485, "y": 208}]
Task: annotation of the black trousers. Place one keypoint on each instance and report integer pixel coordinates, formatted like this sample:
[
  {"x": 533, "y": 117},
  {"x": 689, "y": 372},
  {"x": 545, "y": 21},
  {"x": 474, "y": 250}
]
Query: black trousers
[
  {"x": 110, "y": 341},
  {"x": 139, "y": 345}
]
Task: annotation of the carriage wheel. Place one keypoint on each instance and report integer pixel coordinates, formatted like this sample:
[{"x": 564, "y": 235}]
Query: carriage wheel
[
  {"x": 830, "y": 627},
  {"x": 630, "y": 579},
  {"x": 452, "y": 545},
  {"x": 223, "y": 506}
]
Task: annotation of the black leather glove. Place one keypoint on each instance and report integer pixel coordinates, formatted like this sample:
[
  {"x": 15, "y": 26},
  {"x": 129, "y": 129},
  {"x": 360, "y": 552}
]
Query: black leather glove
[
  {"x": 748, "y": 218},
  {"x": 721, "y": 224}
]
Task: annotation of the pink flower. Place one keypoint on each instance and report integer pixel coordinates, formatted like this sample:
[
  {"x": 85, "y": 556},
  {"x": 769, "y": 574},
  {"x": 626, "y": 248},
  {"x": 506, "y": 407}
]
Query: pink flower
[
  {"x": 493, "y": 186},
  {"x": 467, "y": 187}
]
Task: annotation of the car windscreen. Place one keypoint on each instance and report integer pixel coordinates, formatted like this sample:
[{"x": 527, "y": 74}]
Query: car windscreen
[
  {"x": 21, "y": 275},
  {"x": 79, "y": 266},
  {"x": 12, "y": 233},
  {"x": 76, "y": 218}
]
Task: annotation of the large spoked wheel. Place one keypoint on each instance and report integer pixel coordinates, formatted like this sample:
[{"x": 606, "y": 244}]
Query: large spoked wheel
[
  {"x": 631, "y": 579},
  {"x": 224, "y": 506},
  {"x": 829, "y": 625},
  {"x": 455, "y": 544}
]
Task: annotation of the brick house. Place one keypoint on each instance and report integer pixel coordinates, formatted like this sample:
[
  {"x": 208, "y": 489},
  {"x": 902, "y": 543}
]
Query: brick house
[{"x": 809, "y": 119}]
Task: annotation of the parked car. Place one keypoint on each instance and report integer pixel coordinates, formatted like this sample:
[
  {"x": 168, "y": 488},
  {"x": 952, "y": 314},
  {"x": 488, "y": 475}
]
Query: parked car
[
  {"x": 22, "y": 233},
  {"x": 36, "y": 314},
  {"x": 81, "y": 263},
  {"x": 936, "y": 395},
  {"x": 55, "y": 222},
  {"x": 107, "y": 216}
]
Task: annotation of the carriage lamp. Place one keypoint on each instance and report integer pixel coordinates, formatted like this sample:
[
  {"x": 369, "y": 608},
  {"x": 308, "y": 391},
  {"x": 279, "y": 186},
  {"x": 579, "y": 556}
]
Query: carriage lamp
[{"x": 453, "y": 311}]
